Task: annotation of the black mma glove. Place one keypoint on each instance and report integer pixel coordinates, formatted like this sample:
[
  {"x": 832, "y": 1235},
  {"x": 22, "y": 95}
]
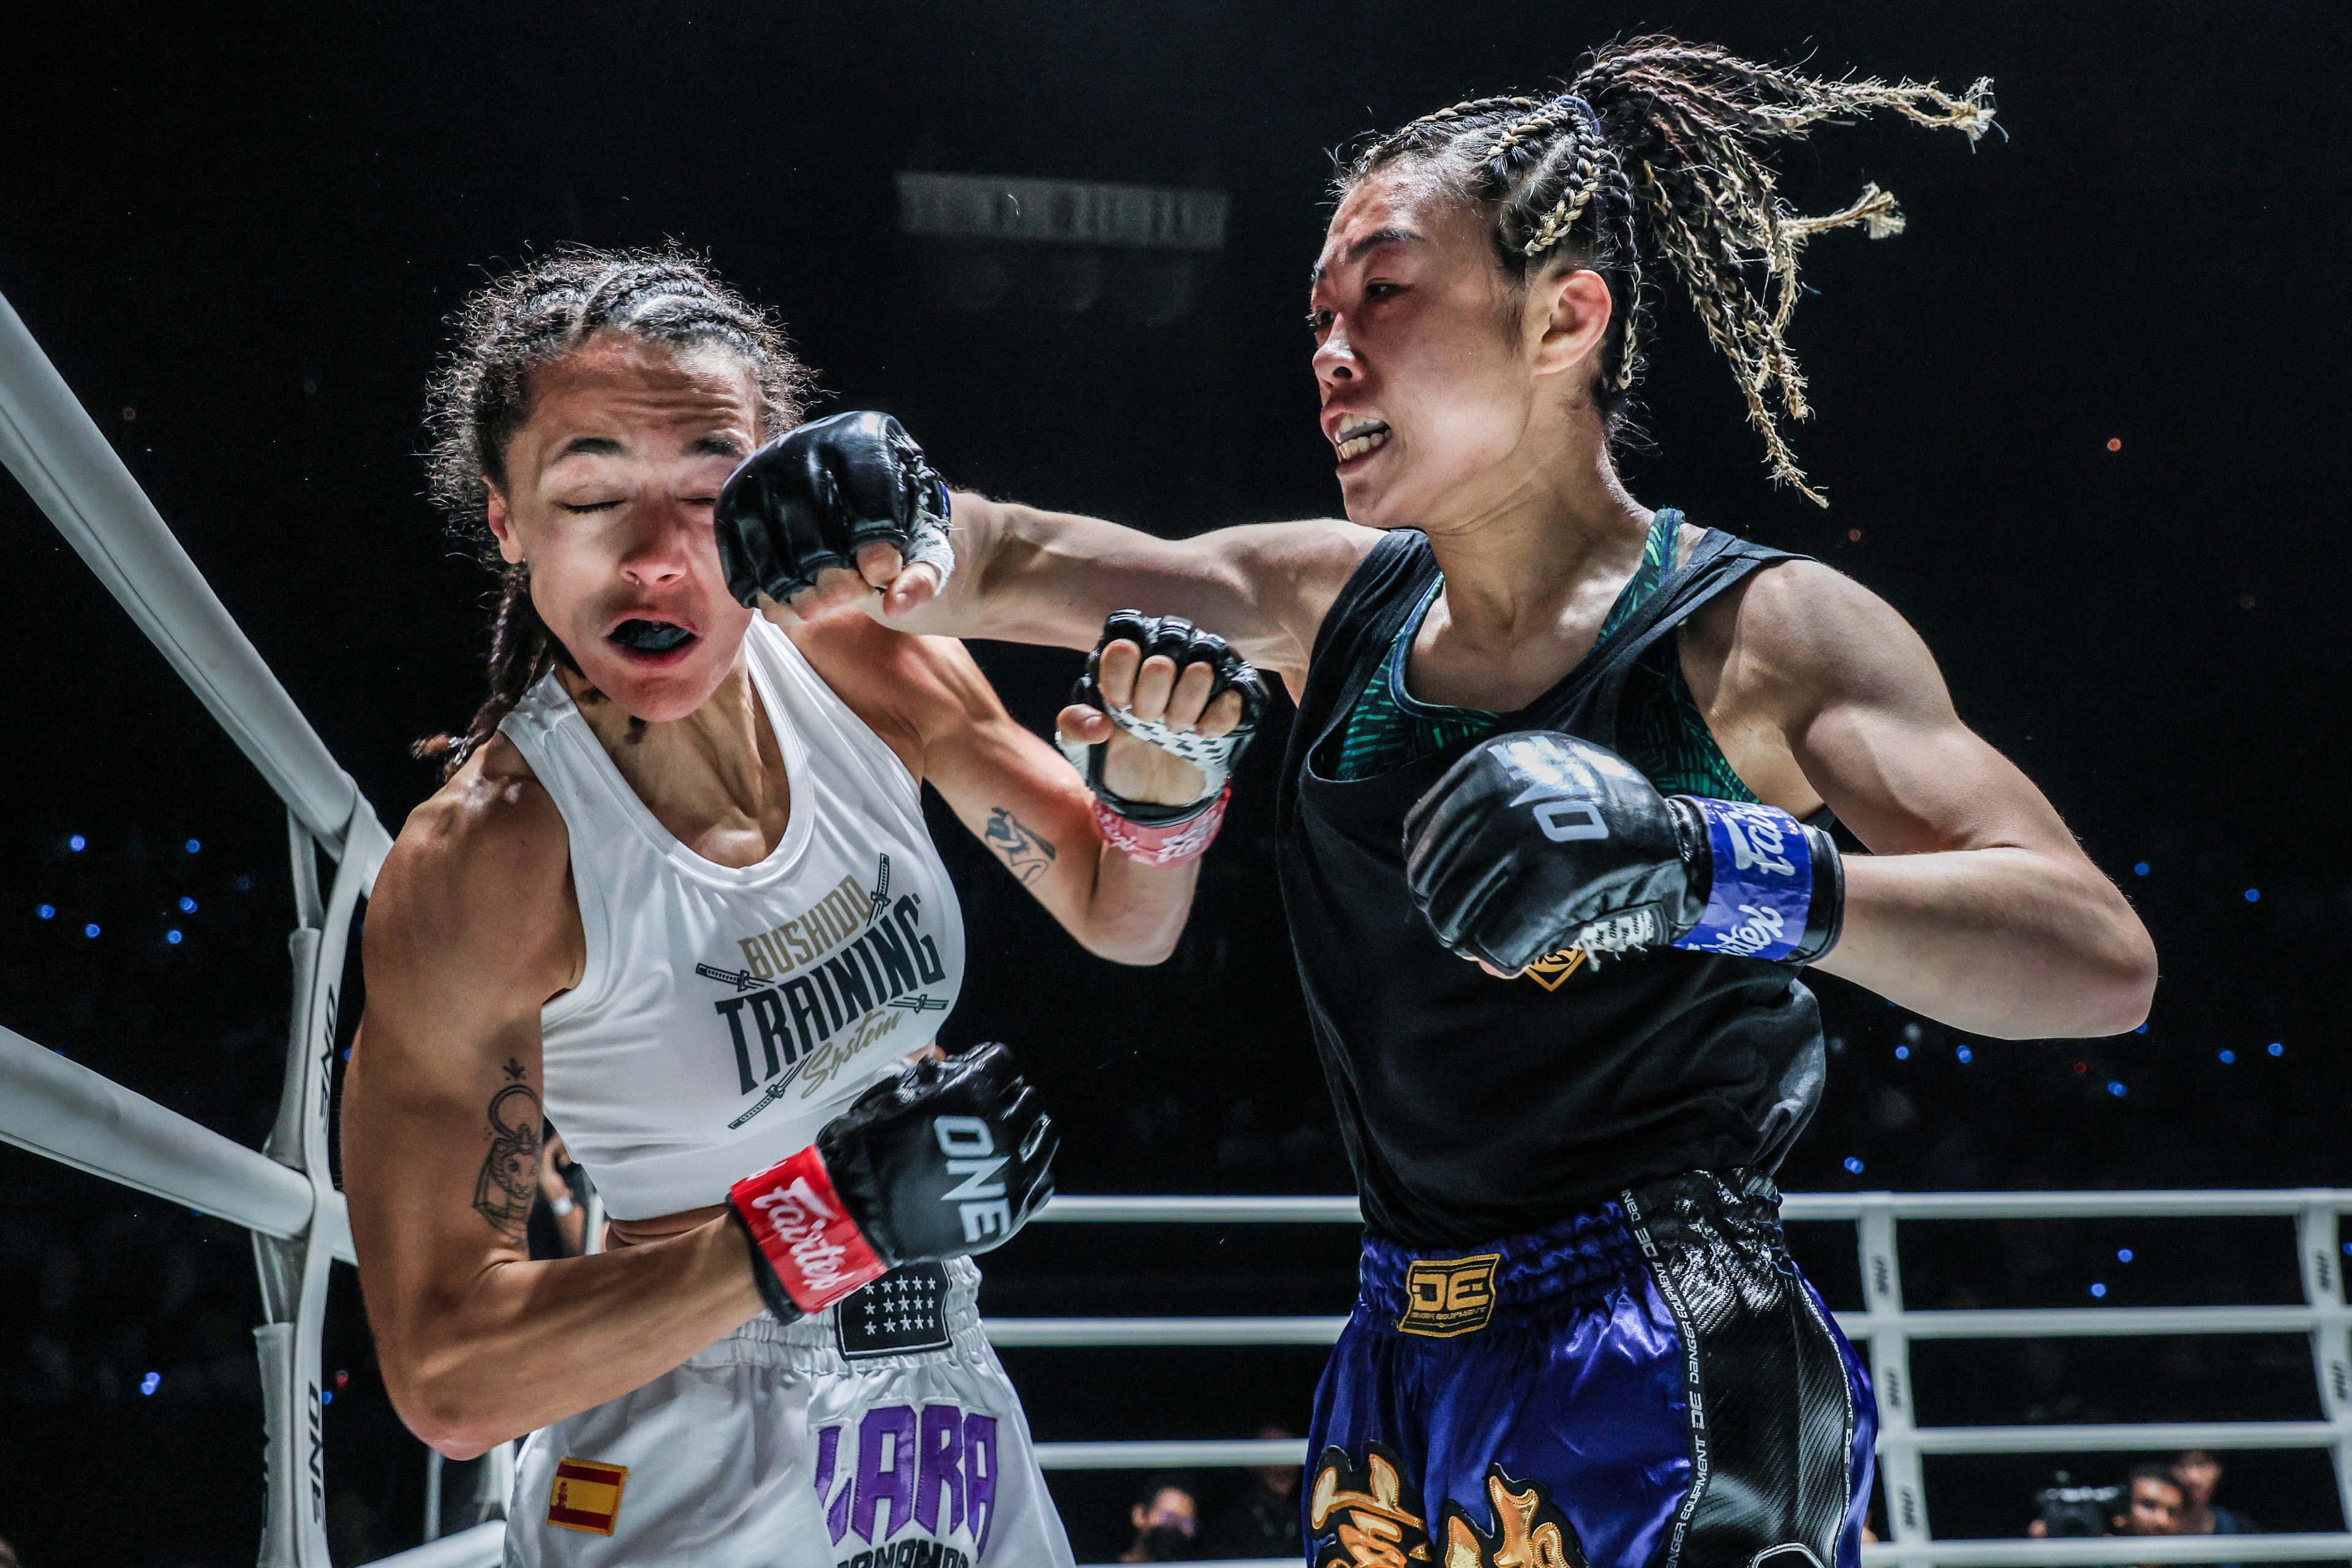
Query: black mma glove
[
  {"x": 811, "y": 498},
  {"x": 1155, "y": 833},
  {"x": 951, "y": 1157},
  {"x": 1537, "y": 841}
]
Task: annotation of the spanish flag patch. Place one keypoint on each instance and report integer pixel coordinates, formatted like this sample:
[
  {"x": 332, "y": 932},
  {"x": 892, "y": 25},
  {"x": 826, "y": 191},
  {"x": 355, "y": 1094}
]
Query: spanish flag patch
[{"x": 586, "y": 1496}]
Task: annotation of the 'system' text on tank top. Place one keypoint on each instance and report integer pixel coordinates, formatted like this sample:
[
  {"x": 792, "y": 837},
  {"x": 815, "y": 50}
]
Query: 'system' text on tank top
[
  {"x": 1474, "y": 1108},
  {"x": 726, "y": 1014}
]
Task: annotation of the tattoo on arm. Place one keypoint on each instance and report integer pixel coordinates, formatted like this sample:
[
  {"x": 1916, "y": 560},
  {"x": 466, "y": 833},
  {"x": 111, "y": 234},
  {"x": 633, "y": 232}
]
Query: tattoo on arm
[
  {"x": 508, "y": 1182},
  {"x": 1026, "y": 851}
]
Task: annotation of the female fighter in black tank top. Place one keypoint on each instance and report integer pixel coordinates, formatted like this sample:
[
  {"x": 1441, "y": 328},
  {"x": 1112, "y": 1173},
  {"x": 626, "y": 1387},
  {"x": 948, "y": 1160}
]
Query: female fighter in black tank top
[{"x": 1472, "y": 1107}]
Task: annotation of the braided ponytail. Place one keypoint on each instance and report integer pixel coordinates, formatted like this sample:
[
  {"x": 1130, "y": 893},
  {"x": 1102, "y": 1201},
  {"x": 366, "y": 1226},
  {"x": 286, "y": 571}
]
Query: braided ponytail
[
  {"x": 1653, "y": 160},
  {"x": 506, "y": 332}
]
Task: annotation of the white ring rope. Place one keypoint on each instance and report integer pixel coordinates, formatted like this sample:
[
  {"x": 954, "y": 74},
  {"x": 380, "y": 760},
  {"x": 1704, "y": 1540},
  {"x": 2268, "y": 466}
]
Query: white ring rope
[{"x": 66, "y": 1112}]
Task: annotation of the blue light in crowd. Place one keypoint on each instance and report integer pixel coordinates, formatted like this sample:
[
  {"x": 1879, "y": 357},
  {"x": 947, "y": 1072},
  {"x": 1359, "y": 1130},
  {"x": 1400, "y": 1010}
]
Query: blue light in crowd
[
  {"x": 2117, "y": 1090},
  {"x": 1966, "y": 1056},
  {"x": 2141, "y": 1030},
  {"x": 2099, "y": 1291},
  {"x": 91, "y": 930},
  {"x": 2228, "y": 1056},
  {"x": 2277, "y": 1049},
  {"x": 2140, "y": 869},
  {"x": 242, "y": 884},
  {"x": 77, "y": 844},
  {"x": 173, "y": 938},
  {"x": 46, "y": 912},
  {"x": 326, "y": 1396},
  {"x": 187, "y": 905},
  {"x": 1902, "y": 1053},
  {"x": 2123, "y": 1255},
  {"x": 193, "y": 845},
  {"x": 151, "y": 1382},
  {"x": 1852, "y": 1166},
  {"x": 2253, "y": 895}
]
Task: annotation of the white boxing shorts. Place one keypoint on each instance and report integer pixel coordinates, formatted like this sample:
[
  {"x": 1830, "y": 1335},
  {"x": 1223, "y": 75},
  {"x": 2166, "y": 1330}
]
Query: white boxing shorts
[{"x": 882, "y": 1433}]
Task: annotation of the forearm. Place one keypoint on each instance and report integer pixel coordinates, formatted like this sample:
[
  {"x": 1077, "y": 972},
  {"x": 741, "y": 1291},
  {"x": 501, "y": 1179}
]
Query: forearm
[
  {"x": 1135, "y": 913},
  {"x": 2009, "y": 942},
  {"x": 1013, "y": 581},
  {"x": 521, "y": 1345}
]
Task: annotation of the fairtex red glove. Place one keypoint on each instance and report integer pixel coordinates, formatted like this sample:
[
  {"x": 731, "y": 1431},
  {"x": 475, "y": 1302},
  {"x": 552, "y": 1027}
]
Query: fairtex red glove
[{"x": 950, "y": 1158}]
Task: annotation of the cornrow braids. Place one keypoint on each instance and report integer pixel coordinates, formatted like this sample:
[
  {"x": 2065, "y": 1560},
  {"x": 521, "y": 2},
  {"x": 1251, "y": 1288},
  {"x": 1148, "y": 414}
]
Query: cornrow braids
[
  {"x": 1654, "y": 160},
  {"x": 506, "y": 332}
]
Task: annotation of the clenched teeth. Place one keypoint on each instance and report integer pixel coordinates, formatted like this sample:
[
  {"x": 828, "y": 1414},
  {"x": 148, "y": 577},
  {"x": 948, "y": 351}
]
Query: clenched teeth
[{"x": 1358, "y": 436}]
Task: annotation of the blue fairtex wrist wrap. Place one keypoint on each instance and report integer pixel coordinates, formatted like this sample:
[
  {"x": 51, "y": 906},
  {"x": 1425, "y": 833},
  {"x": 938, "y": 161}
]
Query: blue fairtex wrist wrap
[{"x": 1761, "y": 895}]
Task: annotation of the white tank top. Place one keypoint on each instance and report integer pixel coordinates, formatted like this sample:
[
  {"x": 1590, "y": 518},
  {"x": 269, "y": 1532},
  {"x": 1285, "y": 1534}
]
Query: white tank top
[{"x": 727, "y": 1014}]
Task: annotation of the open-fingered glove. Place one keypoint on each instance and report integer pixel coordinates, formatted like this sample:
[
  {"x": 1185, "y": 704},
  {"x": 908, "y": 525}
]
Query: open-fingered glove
[
  {"x": 950, "y": 1157},
  {"x": 813, "y": 497},
  {"x": 1537, "y": 841},
  {"x": 1165, "y": 833}
]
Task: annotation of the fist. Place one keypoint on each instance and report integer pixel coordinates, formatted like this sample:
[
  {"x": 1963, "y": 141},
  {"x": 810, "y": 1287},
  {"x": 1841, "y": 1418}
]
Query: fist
[
  {"x": 842, "y": 512},
  {"x": 950, "y": 1157},
  {"x": 1156, "y": 671}
]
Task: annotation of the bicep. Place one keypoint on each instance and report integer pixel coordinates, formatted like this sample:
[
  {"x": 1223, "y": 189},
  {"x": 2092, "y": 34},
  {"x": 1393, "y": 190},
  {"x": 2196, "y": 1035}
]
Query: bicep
[{"x": 441, "y": 1116}]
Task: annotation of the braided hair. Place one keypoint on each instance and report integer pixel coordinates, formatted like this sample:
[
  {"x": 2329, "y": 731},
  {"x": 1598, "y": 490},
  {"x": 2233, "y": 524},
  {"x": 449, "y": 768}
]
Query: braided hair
[
  {"x": 1652, "y": 161},
  {"x": 508, "y": 331}
]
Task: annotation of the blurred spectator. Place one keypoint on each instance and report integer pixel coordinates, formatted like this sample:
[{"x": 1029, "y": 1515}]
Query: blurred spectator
[
  {"x": 2197, "y": 1473},
  {"x": 2151, "y": 1503},
  {"x": 1166, "y": 1519},
  {"x": 8, "y": 1556},
  {"x": 1264, "y": 1521}
]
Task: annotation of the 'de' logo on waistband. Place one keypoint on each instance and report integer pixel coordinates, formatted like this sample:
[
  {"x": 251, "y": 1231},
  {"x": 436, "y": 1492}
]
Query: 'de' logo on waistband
[{"x": 1449, "y": 1296}]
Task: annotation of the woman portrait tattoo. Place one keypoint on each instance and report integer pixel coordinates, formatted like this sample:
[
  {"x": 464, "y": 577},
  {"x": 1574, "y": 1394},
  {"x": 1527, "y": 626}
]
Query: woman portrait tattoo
[
  {"x": 1025, "y": 850},
  {"x": 508, "y": 1184}
]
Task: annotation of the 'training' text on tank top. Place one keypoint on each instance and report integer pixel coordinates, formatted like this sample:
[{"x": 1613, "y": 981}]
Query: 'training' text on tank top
[{"x": 727, "y": 1014}]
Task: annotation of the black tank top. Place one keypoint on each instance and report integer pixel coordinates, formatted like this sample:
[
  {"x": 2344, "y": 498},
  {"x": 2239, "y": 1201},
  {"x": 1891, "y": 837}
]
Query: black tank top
[{"x": 1474, "y": 1108}]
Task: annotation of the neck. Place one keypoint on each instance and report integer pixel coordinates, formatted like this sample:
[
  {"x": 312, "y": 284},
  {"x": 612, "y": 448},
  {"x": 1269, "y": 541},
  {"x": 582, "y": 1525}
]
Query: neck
[
  {"x": 1524, "y": 558},
  {"x": 718, "y": 761}
]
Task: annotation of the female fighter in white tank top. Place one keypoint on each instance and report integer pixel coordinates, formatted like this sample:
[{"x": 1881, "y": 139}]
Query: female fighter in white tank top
[
  {"x": 675, "y": 892},
  {"x": 725, "y": 1014}
]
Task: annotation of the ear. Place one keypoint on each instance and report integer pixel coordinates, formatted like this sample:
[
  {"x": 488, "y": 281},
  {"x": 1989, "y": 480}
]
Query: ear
[
  {"x": 501, "y": 523},
  {"x": 1566, "y": 320}
]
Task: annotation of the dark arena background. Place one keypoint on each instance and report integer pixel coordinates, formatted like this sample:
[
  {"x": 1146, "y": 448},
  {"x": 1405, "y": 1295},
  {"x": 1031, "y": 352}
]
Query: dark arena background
[{"x": 2081, "y": 424}]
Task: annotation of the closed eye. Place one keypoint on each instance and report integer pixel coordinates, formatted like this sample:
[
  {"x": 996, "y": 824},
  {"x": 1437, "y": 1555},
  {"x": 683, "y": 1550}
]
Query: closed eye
[{"x": 583, "y": 507}]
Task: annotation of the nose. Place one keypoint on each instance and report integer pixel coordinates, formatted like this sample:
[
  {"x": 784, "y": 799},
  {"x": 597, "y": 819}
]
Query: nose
[
  {"x": 660, "y": 547},
  {"x": 1335, "y": 359}
]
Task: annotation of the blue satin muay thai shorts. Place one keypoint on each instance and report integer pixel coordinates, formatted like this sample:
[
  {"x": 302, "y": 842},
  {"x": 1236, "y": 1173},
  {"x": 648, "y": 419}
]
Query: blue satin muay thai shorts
[{"x": 1647, "y": 1385}]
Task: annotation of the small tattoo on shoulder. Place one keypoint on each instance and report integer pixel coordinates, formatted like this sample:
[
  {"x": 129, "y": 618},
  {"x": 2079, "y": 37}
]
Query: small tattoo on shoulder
[
  {"x": 1023, "y": 850},
  {"x": 508, "y": 1184}
]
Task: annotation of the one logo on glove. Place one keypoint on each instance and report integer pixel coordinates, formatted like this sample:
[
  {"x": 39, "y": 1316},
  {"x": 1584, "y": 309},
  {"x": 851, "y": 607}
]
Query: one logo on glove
[
  {"x": 979, "y": 1199},
  {"x": 1560, "y": 787}
]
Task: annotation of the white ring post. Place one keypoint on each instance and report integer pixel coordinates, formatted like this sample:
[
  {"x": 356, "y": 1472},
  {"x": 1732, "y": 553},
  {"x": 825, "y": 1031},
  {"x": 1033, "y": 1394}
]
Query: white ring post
[
  {"x": 1890, "y": 1371},
  {"x": 294, "y": 1273},
  {"x": 2331, "y": 1358}
]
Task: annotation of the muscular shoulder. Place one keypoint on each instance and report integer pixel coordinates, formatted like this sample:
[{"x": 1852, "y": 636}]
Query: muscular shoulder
[
  {"x": 908, "y": 688},
  {"x": 1797, "y": 636},
  {"x": 477, "y": 888}
]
